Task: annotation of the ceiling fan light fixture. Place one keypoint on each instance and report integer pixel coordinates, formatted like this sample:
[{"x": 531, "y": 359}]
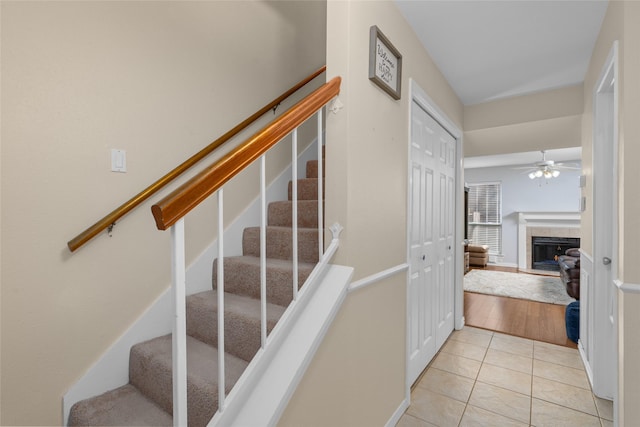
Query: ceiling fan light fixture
[
  {"x": 538, "y": 173},
  {"x": 532, "y": 175},
  {"x": 555, "y": 173}
]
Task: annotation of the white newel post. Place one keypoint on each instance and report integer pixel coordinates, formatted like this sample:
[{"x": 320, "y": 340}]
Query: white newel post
[{"x": 179, "y": 337}]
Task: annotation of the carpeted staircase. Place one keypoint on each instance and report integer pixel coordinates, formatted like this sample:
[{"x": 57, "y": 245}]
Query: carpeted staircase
[{"x": 147, "y": 399}]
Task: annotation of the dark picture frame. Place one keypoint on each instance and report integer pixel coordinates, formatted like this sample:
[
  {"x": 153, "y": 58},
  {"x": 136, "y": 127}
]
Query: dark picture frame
[{"x": 385, "y": 63}]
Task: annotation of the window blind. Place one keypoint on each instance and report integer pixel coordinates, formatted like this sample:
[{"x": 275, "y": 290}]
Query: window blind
[{"x": 484, "y": 215}]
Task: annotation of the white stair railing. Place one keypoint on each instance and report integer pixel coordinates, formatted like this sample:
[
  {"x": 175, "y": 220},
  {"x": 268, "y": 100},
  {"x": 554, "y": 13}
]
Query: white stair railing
[
  {"x": 178, "y": 261},
  {"x": 170, "y": 213}
]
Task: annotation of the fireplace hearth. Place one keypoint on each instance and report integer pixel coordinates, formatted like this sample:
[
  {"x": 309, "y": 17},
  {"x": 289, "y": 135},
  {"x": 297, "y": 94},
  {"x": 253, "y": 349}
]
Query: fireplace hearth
[{"x": 545, "y": 251}]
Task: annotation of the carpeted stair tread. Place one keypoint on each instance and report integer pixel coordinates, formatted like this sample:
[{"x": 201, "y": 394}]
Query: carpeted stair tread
[
  {"x": 241, "y": 321},
  {"x": 242, "y": 277},
  {"x": 280, "y": 213},
  {"x": 280, "y": 243},
  {"x": 124, "y": 406},
  {"x": 307, "y": 189},
  {"x": 150, "y": 371}
]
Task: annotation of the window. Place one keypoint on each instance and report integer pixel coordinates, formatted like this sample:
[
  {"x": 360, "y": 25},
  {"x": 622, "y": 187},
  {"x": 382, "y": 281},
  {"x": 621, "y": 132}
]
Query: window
[{"x": 485, "y": 215}]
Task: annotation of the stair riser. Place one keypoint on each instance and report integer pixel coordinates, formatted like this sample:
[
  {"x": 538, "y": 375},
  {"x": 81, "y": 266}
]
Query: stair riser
[
  {"x": 150, "y": 367},
  {"x": 307, "y": 190},
  {"x": 154, "y": 378},
  {"x": 241, "y": 332},
  {"x": 312, "y": 169},
  {"x": 244, "y": 279},
  {"x": 280, "y": 214},
  {"x": 279, "y": 243}
]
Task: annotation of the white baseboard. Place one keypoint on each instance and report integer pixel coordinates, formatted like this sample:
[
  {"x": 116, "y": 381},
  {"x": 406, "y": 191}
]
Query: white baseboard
[{"x": 398, "y": 413}]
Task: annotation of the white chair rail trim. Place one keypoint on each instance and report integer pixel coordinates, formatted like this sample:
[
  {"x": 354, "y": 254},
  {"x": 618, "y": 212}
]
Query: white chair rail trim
[
  {"x": 627, "y": 288},
  {"x": 369, "y": 280}
]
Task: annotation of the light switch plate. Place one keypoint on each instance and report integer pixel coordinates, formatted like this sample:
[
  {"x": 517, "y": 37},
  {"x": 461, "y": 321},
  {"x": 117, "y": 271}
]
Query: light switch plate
[{"x": 118, "y": 160}]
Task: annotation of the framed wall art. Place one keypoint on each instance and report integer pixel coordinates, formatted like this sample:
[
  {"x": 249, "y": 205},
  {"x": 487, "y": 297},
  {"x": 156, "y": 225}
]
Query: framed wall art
[{"x": 385, "y": 63}]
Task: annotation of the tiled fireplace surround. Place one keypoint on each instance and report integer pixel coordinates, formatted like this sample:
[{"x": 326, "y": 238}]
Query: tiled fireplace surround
[{"x": 544, "y": 224}]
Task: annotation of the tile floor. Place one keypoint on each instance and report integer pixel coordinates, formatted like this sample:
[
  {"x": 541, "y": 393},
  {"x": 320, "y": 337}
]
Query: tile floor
[{"x": 483, "y": 378}]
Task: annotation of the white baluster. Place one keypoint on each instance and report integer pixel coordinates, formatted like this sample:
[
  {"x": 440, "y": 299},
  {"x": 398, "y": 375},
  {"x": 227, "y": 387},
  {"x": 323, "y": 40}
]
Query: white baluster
[
  {"x": 320, "y": 188},
  {"x": 220, "y": 294},
  {"x": 179, "y": 337},
  {"x": 294, "y": 212},
  {"x": 263, "y": 253}
]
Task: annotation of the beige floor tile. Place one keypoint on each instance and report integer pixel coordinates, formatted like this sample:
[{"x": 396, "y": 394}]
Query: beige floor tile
[
  {"x": 564, "y": 395},
  {"x": 505, "y": 378},
  {"x": 605, "y": 408},
  {"x": 463, "y": 349},
  {"x": 513, "y": 345},
  {"x": 470, "y": 337},
  {"x": 501, "y": 401},
  {"x": 410, "y": 421},
  {"x": 435, "y": 408},
  {"x": 563, "y": 374},
  {"x": 509, "y": 361},
  {"x": 457, "y": 365},
  {"x": 448, "y": 384},
  {"x": 478, "y": 417},
  {"x": 606, "y": 423},
  {"x": 549, "y": 346},
  {"x": 559, "y": 355},
  {"x": 545, "y": 414},
  {"x": 478, "y": 330}
]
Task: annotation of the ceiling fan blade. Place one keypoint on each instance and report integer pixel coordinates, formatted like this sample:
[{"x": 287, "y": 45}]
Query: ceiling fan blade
[{"x": 574, "y": 168}]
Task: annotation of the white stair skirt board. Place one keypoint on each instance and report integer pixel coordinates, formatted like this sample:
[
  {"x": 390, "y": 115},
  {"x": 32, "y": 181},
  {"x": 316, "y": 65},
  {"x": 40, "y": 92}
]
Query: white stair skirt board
[{"x": 280, "y": 372}]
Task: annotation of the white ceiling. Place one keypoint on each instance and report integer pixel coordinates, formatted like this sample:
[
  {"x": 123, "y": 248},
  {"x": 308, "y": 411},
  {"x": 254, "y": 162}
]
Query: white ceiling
[{"x": 490, "y": 49}]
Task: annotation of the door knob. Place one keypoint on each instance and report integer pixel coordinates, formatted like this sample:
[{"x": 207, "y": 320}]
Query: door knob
[{"x": 606, "y": 260}]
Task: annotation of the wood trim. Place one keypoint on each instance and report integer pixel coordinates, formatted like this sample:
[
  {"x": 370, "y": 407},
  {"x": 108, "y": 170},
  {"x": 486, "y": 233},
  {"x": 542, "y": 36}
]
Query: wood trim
[
  {"x": 186, "y": 197},
  {"x": 131, "y": 204}
]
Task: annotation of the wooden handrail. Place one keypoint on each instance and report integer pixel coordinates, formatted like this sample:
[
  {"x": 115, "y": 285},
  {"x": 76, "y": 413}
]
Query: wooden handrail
[
  {"x": 126, "y": 207},
  {"x": 177, "y": 204}
]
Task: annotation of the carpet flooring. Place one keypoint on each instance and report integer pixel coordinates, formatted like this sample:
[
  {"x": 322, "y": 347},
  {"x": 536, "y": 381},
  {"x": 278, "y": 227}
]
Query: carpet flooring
[{"x": 517, "y": 285}]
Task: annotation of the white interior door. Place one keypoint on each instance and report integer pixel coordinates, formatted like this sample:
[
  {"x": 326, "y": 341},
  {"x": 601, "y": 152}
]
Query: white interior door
[
  {"x": 431, "y": 234},
  {"x": 446, "y": 231},
  {"x": 603, "y": 344}
]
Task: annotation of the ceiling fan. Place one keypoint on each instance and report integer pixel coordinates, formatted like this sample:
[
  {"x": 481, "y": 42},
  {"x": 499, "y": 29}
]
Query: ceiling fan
[{"x": 546, "y": 168}]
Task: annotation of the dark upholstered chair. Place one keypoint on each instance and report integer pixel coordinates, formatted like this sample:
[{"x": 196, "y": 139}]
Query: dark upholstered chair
[{"x": 570, "y": 271}]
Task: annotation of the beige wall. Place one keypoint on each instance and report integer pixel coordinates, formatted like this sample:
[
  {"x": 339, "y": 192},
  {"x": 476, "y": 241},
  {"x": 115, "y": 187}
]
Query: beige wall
[
  {"x": 539, "y": 121},
  {"x": 359, "y": 370},
  {"x": 158, "y": 79},
  {"x": 620, "y": 24}
]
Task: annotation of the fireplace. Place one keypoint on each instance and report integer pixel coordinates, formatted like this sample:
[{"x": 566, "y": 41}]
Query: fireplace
[
  {"x": 543, "y": 224},
  {"x": 545, "y": 251}
]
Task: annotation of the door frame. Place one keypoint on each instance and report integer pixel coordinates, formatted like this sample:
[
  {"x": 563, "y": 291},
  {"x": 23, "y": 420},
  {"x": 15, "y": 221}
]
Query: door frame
[
  {"x": 605, "y": 227},
  {"x": 420, "y": 96}
]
